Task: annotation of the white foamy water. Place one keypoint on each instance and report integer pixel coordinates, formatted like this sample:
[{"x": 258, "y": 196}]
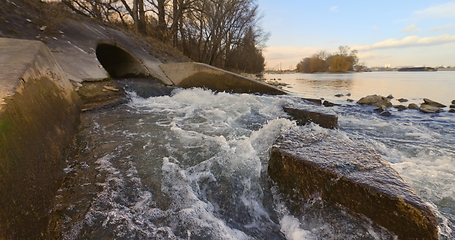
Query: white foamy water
[{"x": 193, "y": 165}]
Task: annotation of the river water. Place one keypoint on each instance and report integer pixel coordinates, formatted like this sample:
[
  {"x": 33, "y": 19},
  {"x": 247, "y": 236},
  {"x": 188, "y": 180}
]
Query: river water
[{"x": 193, "y": 165}]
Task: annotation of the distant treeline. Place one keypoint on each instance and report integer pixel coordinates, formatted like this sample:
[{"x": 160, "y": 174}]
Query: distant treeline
[
  {"x": 341, "y": 61},
  {"x": 222, "y": 33}
]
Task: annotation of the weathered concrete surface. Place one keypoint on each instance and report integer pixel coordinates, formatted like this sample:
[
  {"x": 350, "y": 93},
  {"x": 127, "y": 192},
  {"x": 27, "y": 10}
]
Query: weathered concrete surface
[
  {"x": 38, "y": 118},
  {"x": 354, "y": 176},
  {"x": 324, "y": 118},
  {"x": 192, "y": 74},
  {"x": 75, "y": 50}
]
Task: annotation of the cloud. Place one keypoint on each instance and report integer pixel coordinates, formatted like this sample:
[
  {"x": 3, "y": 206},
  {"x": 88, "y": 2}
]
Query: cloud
[
  {"x": 410, "y": 29},
  {"x": 411, "y": 41},
  {"x": 440, "y": 28},
  {"x": 371, "y": 56},
  {"x": 334, "y": 9},
  {"x": 286, "y": 56},
  {"x": 446, "y": 10}
]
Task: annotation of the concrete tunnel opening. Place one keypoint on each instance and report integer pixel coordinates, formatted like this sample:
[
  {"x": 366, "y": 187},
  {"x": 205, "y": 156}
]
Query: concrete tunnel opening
[{"x": 118, "y": 62}]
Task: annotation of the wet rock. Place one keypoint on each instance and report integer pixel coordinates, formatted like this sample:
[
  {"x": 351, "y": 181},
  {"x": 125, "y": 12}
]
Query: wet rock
[
  {"x": 380, "y": 109},
  {"x": 433, "y": 103},
  {"x": 313, "y": 100},
  {"x": 400, "y": 107},
  {"x": 330, "y": 104},
  {"x": 375, "y": 100},
  {"x": 402, "y": 100},
  {"x": 324, "y": 118},
  {"x": 339, "y": 95},
  {"x": 390, "y": 96},
  {"x": 349, "y": 94},
  {"x": 453, "y": 101},
  {"x": 452, "y": 106},
  {"x": 305, "y": 164},
  {"x": 386, "y": 114},
  {"x": 413, "y": 106},
  {"x": 452, "y": 110},
  {"x": 350, "y": 100},
  {"x": 425, "y": 108}
]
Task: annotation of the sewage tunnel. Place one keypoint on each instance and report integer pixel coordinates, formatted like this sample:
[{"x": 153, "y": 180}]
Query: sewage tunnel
[{"x": 118, "y": 62}]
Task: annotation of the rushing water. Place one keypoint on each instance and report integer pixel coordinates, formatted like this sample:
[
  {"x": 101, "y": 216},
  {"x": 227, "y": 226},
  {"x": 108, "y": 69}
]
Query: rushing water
[{"x": 193, "y": 165}]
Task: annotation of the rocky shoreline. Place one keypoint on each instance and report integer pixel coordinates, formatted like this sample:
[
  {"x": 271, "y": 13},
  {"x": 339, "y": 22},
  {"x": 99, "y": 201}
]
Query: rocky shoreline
[{"x": 384, "y": 103}]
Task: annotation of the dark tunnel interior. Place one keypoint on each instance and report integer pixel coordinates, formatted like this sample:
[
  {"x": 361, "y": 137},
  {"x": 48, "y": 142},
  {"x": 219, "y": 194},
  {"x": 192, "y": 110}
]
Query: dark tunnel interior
[{"x": 118, "y": 62}]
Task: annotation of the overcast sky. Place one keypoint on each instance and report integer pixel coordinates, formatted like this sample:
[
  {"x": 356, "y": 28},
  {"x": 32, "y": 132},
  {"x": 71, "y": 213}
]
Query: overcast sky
[{"x": 399, "y": 33}]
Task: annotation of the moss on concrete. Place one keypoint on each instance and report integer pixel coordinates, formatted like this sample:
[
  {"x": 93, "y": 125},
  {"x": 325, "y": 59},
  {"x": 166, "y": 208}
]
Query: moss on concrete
[{"x": 36, "y": 127}]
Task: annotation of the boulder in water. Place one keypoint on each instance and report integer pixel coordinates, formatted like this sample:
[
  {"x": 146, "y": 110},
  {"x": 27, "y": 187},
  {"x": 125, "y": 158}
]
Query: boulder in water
[
  {"x": 324, "y": 118},
  {"x": 402, "y": 100},
  {"x": 400, "y": 107},
  {"x": 375, "y": 100},
  {"x": 390, "y": 96},
  {"x": 452, "y": 106},
  {"x": 452, "y": 110},
  {"x": 433, "y": 103},
  {"x": 307, "y": 164},
  {"x": 313, "y": 100},
  {"x": 425, "y": 108},
  {"x": 329, "y": 104},
  {"x": 413, "y": 106},
  {"x": 453, "y": 101}
]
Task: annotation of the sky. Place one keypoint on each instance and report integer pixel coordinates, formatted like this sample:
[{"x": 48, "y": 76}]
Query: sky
[{"x": 395, "y": 33}]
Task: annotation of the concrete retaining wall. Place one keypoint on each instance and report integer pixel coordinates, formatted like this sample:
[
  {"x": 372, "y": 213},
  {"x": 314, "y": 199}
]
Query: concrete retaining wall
[
  {"x": 39, "y": 113},
  {"x": 192, "y": 74}
]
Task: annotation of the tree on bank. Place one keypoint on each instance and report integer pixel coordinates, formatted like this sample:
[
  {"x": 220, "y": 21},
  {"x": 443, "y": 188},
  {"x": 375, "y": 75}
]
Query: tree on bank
[
  {"x": 222, "y": 33},
  {"x": 341, "y": 61}
]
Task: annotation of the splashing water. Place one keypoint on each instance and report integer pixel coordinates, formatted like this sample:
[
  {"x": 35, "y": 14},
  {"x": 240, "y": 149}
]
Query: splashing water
[{"x": 193, "y": 165}]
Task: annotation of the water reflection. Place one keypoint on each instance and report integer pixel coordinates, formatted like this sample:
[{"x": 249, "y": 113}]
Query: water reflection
[{"x": 413, "y": 86}]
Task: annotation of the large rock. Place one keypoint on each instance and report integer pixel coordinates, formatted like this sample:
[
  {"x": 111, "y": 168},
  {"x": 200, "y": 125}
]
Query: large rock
[
  {"x": 375, "y": 100},
  {"x": 433, "y": 103},
  {"x": 425, "y": 108},
  {"x": 353, "y": 176},
  {"x": 325, "y": 119}
]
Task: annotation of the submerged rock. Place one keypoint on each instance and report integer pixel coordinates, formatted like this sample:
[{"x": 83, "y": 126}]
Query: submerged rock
[
  {"x": 313, "y": 100},
  {"x": 425, "y": 108},
  {"x": 307, "y": 164},
  {"x": 375, "y": 100},
  {"x": 329, "y": 104},
  {"x": 433, "y": 103},
  {"x": 325, "y": 119},
  {"x": 386, "y": 114},
  {"x": 400, "y": 107}
]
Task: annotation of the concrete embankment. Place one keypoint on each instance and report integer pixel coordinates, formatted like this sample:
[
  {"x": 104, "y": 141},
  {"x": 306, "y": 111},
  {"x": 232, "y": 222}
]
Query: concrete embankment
[
  {"x": 191, "y": 74},
  {"x": 39, "y": 113}
]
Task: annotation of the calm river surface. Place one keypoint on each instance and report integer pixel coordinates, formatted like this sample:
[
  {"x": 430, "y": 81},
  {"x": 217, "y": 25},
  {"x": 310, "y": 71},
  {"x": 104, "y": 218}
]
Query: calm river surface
[{"x": 193, "y": 165}]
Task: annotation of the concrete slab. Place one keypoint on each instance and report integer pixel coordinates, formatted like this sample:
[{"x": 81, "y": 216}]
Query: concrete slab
[
  {"x": 192, "y": 74},
  {"x": 75, "y": 51},
  {"x": 38, "y": 118}
]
